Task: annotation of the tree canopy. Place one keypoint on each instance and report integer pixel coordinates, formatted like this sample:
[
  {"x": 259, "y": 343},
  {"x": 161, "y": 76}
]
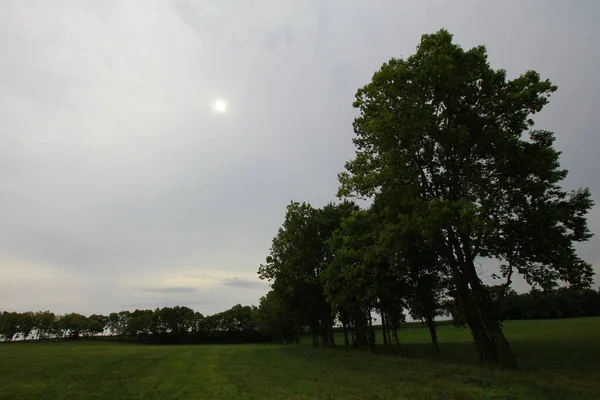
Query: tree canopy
[
  {"x": 452, "y": 138},
  {"x": 447, "y": 155}
]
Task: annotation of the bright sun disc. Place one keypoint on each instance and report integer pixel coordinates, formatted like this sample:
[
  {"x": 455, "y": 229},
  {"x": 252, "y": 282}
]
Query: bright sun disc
[{"x": 220, "y": 106}]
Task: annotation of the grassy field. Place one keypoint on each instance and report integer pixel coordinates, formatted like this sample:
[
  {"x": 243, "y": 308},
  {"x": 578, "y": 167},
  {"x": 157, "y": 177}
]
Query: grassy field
[{"x": 559, "y": 359}]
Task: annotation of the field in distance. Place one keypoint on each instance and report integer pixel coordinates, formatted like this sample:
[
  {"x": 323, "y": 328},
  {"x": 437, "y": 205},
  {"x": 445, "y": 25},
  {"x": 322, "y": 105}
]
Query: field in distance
[{"x": 559, "y": 359}]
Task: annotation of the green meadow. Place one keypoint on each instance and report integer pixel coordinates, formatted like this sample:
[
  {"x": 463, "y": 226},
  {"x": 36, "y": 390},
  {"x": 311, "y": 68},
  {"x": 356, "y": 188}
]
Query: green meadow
[{"x": 558, "y": 359}]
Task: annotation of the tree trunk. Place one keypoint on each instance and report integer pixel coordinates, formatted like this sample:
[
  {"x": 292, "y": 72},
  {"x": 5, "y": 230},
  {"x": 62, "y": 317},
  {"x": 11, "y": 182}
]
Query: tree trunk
[
  {"x": 433, "y": 332},
  {"x": 388, "y": 331},
  {"x": 327, "y": 328},
  {"x": 383, "y": 328},
  {"x": 353, "y": 337},
  {"x": 500, "y": 352},
  {"x": 361, "y": 330},
  {"x": 324, "y": 336},
  {"x": 331, "y": 336},
  {"x": 482, "y": 319},
  {"x": 346, "y": 341},
  {"x": 371, "y": 334},
  {"x": 475, "y": 302},
  {"x": 397, "y": 346}
]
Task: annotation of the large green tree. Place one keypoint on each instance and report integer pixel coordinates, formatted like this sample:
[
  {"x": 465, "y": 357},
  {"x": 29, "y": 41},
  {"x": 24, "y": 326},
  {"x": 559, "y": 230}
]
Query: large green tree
[
  {"x": 73, "y": 325},
  {"x": 366, "y": 275},
  {"x": 9, "y": 325},
  {"x": 44, "y": 322},
  {"x": 444, "y": 132},
  {"x": 297, "y": 257},
  {"x": 101, "y": 322},
  {"x": 414, "y": 279},
  {"x": 26, "y": 324},
  {"x": 274, "y": 319},
  {"x": 349, "y": 277}
]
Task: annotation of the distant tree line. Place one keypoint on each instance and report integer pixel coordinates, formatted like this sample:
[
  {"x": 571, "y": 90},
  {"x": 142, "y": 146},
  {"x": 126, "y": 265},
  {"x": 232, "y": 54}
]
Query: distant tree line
[
  {"x": 559, "y": 303},
  {"x": 452, "y": 171},
  {"x": 45, "y": 325},
  {"x": 167, "y": 325},
  {"x": 563, "y": 302},
  {"x": 266, "y": 323}
]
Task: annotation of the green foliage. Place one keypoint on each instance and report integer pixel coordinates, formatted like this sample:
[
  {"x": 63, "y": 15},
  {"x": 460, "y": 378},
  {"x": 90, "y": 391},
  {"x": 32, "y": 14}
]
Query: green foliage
[
  {"x": 99, "y": 323},
  {"x": 275, "y": 321},
  {"x": 9, "y": 325},
  {"x": 74, "y": 325},
  {"x": 349, "y": 277},
  {"x": 450, "y": 139},
  {"x": 26, "y": 323},
  {"x": 45, "y": 324},
  {"x": 177, "y": 324},
  {"x": 296, "y": 261},
  {"x": 558, "y": 303}
]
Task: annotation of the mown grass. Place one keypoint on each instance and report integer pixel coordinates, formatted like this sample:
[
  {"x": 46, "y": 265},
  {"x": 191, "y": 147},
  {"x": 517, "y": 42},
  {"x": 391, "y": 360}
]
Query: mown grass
[{"x": 559, "y": 359}]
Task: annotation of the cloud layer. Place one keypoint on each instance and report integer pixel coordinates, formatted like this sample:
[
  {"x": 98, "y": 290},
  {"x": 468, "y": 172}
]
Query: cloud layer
[{"x": 120, "y": 187}]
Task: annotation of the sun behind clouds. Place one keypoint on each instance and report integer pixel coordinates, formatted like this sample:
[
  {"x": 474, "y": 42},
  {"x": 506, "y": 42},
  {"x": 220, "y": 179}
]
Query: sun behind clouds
[{"x": 220, "y": 106}]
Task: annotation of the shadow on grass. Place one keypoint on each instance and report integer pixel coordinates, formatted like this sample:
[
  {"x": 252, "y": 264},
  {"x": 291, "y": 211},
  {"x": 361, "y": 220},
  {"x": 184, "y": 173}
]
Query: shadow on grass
[
  {"x": 454, "y": 353},
  {"x": 533, "y": 355}
]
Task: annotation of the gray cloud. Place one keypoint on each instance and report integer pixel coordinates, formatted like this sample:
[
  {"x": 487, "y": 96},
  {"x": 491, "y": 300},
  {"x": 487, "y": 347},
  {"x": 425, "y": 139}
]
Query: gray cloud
[
  {"x": 152, "y": 305},
  {"x": 116, "y": 175},
  {"x": 170, "y": 290},
  {"x": 242, "y": 283}
]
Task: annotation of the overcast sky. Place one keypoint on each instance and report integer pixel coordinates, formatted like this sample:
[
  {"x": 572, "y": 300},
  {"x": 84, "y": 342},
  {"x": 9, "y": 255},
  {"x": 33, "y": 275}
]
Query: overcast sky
[{"x": 122, "y": 188}]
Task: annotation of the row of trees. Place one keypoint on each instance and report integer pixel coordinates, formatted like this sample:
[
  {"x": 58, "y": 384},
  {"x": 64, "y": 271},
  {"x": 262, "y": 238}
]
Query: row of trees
[
  {"x": 164, "y": 325},
  {"x": 453, "y": 171},
  {"x": 47, "y": 325},
  {"x": 269, "y": 322},
  {"x": 332, "y": 264},
  {"x": 560, "y": 303}
]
